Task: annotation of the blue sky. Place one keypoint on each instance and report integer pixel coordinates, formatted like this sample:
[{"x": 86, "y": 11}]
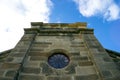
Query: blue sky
[{"x": 102, "y": 15}]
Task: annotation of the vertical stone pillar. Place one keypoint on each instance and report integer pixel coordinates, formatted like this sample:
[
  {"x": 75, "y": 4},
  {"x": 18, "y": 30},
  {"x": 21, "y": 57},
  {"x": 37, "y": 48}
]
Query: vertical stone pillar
[
  {"x": 106, "y": 67},
  {"x": 9, "y": 70}
]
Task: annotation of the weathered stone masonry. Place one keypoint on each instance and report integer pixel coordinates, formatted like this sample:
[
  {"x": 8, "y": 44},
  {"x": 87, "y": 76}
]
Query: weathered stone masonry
[{"x": 87, "y": 58}]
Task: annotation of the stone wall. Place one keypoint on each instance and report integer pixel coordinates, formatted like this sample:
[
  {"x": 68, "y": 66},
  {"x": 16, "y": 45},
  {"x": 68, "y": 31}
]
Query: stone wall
[
  {"x": 80, "y": 66},
  {"x": 104, "y": 63},
  {"x": 87, "y": 58},
  {"x": 11, "y": 66}
]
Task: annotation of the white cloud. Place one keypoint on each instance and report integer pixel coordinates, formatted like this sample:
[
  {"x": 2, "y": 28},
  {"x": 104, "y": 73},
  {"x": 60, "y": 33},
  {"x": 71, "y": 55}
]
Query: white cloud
[
  {"x": 107, "y": 8},
  {"x": 112, "y": 13},
  {"x": 16, "y": 15}
]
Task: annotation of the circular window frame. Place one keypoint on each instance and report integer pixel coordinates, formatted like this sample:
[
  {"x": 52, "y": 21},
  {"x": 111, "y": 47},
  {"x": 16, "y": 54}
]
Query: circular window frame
[{"x": 53, "y": 60}]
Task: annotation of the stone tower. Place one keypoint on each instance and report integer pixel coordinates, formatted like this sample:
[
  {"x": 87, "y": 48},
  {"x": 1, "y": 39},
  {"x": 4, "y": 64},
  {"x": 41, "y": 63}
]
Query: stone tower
[{"x": 58, "y": 51}]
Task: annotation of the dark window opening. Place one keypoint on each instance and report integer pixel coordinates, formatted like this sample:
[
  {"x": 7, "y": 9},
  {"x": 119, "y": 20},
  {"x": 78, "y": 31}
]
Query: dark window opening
[{"x": 58, "y": 60}]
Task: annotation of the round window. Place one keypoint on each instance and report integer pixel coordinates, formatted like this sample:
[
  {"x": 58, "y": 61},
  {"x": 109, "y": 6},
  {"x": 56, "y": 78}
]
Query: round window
[{"x": 58, "y": 60}]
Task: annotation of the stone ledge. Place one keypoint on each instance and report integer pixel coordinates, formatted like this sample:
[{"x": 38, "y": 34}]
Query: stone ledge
[
  {"x": 10, "y": 66},
  {"x": 85, "y": 70},
  {"x": 5, "y": 78},
  {"x": 53, "y": 25},
  {"x": 38, "y": 58},
  {"x": 37, "y": 53},
  {"x": 60, "y": 78},
  {"x": 31, "y": 77},
  {"x": 85, "y": 63},
  {"x": 31, "y": 70},
  {"x": 86, "y": 77},
  {"x": 77, "y": 58}
]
